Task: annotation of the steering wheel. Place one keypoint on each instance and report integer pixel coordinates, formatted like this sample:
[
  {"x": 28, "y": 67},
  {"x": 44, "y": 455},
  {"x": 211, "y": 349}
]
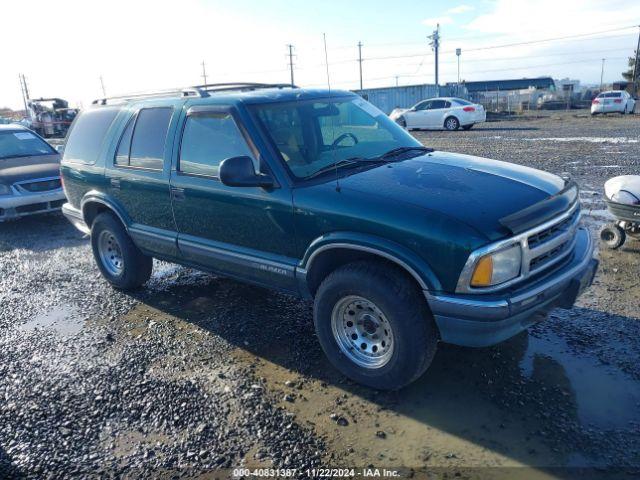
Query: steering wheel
[{"x": 343, "y": 137}]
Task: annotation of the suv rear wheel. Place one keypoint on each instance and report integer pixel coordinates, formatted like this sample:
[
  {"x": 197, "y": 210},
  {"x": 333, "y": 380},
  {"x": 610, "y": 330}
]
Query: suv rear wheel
[
  {"x": 119, "y": 260},
  {"x": 374, "y": 326}
]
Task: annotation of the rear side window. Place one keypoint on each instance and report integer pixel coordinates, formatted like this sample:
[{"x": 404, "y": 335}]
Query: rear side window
[
  {"x": 207, "y": 140},
  {"x": 87, "y": 134},
  {"x": 142, "y": 142},
  {"x": 436, "y": 104}
]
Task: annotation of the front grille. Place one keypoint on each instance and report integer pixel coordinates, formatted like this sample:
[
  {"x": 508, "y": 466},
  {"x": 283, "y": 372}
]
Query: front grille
[
  {"x": 547, "y": 247},
  {"x": 41, "y": 185}
]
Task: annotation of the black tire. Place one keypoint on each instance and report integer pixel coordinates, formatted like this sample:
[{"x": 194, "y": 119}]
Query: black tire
[
  {"x": 402, "y": 122},
  {"x": 415, "y": 334},
  {"x": 468, "y": 127},
  {"x": 451, "y": 124},
  {"x": 613, "y": 236},
  {"x": 135, "y": 266}
]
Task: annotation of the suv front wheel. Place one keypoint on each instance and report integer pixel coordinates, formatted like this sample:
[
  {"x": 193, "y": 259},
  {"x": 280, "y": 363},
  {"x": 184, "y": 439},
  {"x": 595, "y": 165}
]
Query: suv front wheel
[
  {"x": 374, "y": 326},
  {"x": 119, "y": 260}
]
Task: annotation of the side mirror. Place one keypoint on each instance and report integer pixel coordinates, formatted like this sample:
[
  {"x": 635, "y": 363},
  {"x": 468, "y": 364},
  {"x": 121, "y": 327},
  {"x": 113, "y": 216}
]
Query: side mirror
[
  {"x": 239, "y": 172},
  {"x": 60, "y": 149}
]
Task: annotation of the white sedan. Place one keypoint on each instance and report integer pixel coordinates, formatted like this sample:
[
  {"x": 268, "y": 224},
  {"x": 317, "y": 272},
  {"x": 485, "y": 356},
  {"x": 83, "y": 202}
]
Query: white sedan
[
  {"x": 613, "y": 101},
  {"x": 447, "y": 113}
]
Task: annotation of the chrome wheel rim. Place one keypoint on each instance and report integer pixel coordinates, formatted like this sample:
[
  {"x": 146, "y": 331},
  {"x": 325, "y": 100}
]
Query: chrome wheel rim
[
  {"x": 110, "y": 253},
  {"x": 451, "y": 124},
  {"x": 362, "y": 332}
]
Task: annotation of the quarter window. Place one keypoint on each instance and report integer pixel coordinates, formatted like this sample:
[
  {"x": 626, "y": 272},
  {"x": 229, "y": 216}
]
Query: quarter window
[
  {"x": 149, "y": 136},
  {"x": 122, "y": 155},
  {"x": 207, "y": 140}
]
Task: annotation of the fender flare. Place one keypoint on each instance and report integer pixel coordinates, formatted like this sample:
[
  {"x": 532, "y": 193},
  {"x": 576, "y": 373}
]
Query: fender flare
[
  {"x": 94, "y": 196},
  {"x": 408, "y": 260}
]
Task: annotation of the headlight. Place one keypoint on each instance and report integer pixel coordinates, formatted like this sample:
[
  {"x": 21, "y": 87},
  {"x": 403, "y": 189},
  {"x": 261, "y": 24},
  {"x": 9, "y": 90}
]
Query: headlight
[
  {"x": 5, "y": 189},
  {"x": 498, "y": 267}
]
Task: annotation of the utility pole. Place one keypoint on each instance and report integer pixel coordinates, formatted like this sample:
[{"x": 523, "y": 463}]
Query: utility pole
[
  {"x": 636, "y": 66},
  {"x": 204, "y": 72},
  {"x": 458, "y": 52},
  {"x": 602, "y": 75},
  {"x": 104, "y": 92},
  {"x": 291, "y": 62},
  {"x": 25, "y": 96},
  {"x": 435, "y": 45},
  {"x": 360, "y": 61},
  {"x": 396, "y": 80}
]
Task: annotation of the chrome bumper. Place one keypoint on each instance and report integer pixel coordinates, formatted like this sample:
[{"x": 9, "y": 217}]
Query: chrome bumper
[
  {"x": 482, "y": 320},
  {"x": 21, "y": 205}
]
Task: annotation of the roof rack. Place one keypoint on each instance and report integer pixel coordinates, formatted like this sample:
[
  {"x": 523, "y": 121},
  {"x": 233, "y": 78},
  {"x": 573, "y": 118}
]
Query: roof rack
[{"x": 195, "y": 91}]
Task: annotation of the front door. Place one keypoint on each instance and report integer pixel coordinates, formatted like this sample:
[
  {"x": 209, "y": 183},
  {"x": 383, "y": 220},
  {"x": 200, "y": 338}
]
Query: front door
[
  {"x": 418, "y": 117},
  {"x": 243, "y": 232}
]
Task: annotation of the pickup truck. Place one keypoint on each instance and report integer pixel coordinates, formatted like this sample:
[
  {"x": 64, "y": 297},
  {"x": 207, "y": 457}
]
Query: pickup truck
[{"x": 318, "y": 194}]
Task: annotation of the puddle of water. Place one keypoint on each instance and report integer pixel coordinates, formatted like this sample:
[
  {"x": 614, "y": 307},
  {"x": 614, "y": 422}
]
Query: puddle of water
[
  {"x": 63, "y": 319},
  {"x": 606, "y": 398}
]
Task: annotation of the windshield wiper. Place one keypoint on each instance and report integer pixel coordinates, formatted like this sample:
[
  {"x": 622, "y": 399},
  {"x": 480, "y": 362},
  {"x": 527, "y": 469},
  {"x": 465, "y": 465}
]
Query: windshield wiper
[
  {"x": 400, "y": 150},
  {"x": 351, "y": 161}
]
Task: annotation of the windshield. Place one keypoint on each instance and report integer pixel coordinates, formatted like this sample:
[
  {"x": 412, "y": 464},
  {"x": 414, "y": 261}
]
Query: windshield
[
  {"x": 22, "y": 143},
  {"x": 311, "y": 135}
]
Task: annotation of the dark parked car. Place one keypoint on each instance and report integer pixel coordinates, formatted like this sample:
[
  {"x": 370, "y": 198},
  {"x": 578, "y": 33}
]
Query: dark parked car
[
  {"x": 29, "y": 174},
  {"x": 319, "y": 194}
]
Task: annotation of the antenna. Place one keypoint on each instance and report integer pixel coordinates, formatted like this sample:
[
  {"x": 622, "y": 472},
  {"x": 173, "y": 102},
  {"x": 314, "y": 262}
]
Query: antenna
[{"x": 333, "y": 134}]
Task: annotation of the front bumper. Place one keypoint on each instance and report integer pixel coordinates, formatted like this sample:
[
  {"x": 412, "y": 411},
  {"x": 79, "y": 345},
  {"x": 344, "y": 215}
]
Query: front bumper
[
  {"x": 483, "y": 320},
  {"x": 16, "y": 206}
]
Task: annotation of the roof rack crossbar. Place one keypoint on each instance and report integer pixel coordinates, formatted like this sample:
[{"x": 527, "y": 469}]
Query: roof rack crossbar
[{"x": 195, "y": 91}]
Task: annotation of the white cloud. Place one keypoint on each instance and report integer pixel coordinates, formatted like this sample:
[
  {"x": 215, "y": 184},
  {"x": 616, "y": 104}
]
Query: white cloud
[
  {"x": 432, "y": 22},
  {"x": 460, "y": 9}
]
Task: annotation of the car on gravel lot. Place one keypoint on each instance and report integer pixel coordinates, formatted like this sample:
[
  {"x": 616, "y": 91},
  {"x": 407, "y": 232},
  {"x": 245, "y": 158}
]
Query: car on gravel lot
[
  {"x": 448, "y": 113},
  {"x": 615, "y": 101},
  {"x": 29, "y": 174},
  {"x": 319, "y": 194}
]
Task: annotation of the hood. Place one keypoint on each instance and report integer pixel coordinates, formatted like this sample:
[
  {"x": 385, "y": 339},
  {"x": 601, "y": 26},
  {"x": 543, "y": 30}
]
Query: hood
[
  {"x": 473, "y": 190},
  {"x": 26, "y": 168},
  {"x": 396, "y": 112}
]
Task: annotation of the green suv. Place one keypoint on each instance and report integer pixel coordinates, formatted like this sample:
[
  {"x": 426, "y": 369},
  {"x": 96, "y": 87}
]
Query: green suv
[{"x": 317, "y": 193}]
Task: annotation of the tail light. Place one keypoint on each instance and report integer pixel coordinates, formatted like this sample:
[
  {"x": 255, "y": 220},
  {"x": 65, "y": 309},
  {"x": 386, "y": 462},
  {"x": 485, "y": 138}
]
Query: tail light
[
  {"x": 469, "y": 109},
  {"x": 61, "y": 178},
  {"x": 617, "y": 100},
  {"x": 595, "y": 101}
]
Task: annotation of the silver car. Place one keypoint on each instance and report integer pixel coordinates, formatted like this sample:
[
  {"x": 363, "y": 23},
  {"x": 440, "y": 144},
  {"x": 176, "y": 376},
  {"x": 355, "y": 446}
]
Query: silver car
[{"x": 29, "y": 174}]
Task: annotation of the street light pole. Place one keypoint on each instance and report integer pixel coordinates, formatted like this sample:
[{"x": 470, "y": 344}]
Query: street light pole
[{"x": 602, "y": 75}]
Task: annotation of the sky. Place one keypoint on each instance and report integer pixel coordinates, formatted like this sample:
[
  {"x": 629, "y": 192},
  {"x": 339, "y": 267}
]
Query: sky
[{"x": 63, "y": 47}]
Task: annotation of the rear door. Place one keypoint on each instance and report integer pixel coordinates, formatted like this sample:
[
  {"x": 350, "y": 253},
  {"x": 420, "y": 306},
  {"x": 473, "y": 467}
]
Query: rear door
[
  {"x": 138, "y": 177},
  {"x": 242, "y": 232}
]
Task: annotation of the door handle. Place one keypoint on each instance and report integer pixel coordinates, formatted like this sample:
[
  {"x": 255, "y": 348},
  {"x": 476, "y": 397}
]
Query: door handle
[
  {"x": 177, "y": 193},
  {"x": 115, "y": 182}
]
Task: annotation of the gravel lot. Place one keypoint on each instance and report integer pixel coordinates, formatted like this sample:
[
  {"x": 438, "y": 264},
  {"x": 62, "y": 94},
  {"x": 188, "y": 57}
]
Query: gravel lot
[{"x": 197, "y": 373}]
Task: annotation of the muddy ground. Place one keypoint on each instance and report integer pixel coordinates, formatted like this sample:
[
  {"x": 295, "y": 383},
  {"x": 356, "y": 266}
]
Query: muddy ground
[{"x": 198, "y": 374}]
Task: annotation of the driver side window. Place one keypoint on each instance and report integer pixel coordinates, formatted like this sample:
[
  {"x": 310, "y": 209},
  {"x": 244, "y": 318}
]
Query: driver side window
[
  {"x": 207, "y": 140},
  {"x": 423, "y": 106}
]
